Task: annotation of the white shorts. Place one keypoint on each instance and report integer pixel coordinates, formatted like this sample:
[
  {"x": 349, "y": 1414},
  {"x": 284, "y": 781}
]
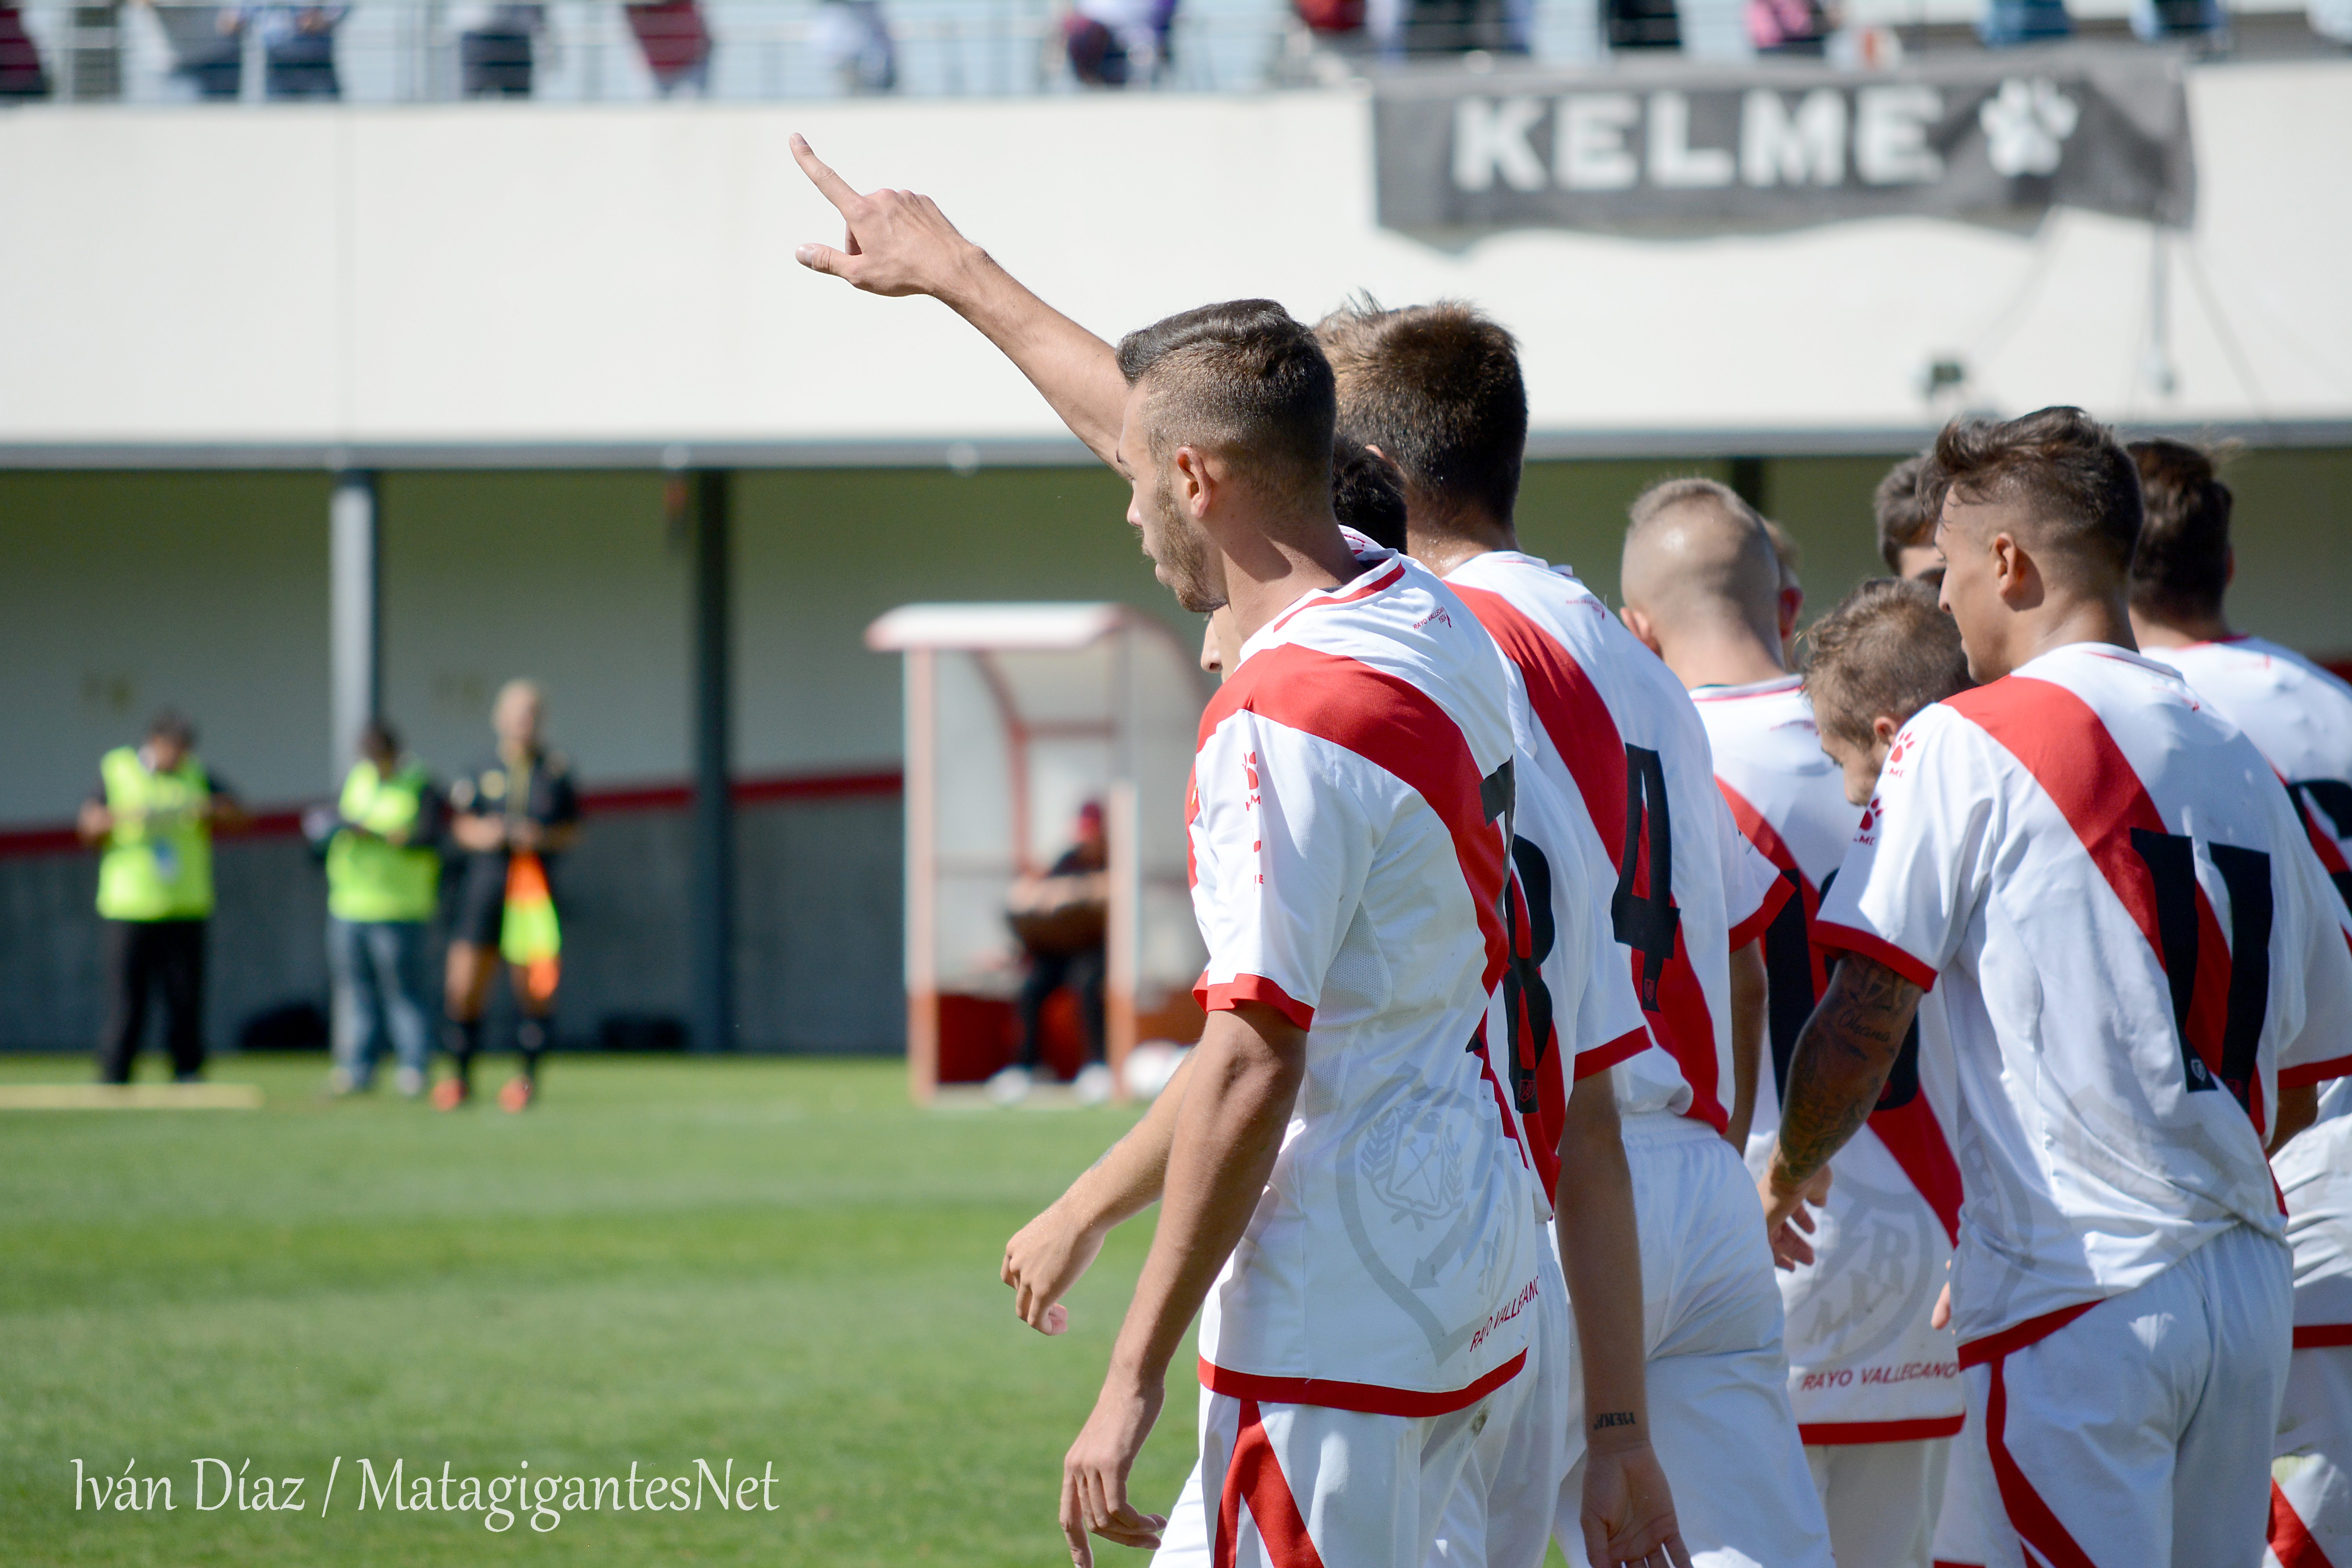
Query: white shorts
[
  {"x": 1719, "y": 1382},
  {"x": 1301, "y": 1486},
  {"x": 2139, "y": 1432},
  {"x": 1882, "y": 1498},
  {"x": 1500, "y": 1515},
  {"x": 2311, "y": 1463},
  {"x": 1960, "y": 1534}
]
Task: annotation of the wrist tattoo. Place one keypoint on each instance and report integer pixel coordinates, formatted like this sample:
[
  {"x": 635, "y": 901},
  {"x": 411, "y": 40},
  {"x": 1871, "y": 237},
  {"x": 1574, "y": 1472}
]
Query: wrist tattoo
[{"x": 1614, "y": 1419}]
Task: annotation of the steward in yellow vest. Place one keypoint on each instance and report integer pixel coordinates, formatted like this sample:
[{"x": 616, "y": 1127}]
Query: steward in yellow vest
[
  {"x": 384, "y": 884},
  {"x": 152, "y": 819}
]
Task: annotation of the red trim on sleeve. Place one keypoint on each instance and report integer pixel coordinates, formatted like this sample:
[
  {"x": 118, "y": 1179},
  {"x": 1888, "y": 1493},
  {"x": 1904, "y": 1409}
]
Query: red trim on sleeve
[
  {"x": 2322, "y": 1336},
  {"x": 1366, "y": 1398},
  {"x": 1827, "y": 1434},
  {"x": 1601, "y": 1058},
  {"x": 1222, "y": 996},
  {"x": 1836, "y": 938},
  {"x": 2016, "y": 1336},
  {"x": 1751, "y": 928},
  {"x": 2310, "y": 1073}
]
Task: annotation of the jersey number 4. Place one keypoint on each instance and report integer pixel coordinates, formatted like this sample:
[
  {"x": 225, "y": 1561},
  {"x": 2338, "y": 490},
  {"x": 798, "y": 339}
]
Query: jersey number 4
[
  {"x": 1646, "y": 921},
  {"x": 2171, "y": 860}
]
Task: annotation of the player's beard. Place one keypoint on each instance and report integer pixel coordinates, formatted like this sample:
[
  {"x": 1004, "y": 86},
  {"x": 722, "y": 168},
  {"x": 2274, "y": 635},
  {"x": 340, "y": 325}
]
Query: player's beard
[{"x": 1184, "y": 553}]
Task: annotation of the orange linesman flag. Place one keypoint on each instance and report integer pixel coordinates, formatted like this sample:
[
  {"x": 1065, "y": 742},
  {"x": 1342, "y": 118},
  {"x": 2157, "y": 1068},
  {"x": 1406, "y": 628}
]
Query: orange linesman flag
[{"x": 528, "y": 937}]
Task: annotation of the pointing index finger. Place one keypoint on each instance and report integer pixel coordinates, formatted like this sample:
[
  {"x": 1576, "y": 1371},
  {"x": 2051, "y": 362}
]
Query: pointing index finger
[{"x": 832, "y": 185}]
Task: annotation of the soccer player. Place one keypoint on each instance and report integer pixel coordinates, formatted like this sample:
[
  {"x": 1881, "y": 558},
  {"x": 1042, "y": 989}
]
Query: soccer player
[
  {"x": 1907, "y": 524},
  {"x": 2138, "y": 955},
  {"x": 901, "y": 244},
  {"x": 1875, "y": 1390},
  {"x": 2301, "y": 717},
  {"x": 1438, "y": 390}
]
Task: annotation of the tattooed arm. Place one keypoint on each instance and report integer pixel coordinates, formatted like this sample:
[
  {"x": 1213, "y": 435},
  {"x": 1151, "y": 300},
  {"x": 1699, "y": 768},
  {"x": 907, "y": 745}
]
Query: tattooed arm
[{"x": 1842, "y": 1060}]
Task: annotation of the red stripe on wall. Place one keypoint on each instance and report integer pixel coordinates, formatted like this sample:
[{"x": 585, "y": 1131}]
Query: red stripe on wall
[{"x": 286, "y": 821}]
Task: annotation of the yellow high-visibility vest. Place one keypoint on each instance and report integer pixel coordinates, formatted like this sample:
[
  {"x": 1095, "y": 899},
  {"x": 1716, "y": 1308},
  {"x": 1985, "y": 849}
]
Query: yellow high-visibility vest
[
  {"x": 367, "y": 877},
  {"x": 158, "y": 861}
]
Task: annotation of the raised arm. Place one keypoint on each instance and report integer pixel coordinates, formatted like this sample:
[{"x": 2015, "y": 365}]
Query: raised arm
[
  {"x": 1245, "y": 1075},
  {"x": 898, "y": 243},
  {"x": 1841, "y": 1063}
]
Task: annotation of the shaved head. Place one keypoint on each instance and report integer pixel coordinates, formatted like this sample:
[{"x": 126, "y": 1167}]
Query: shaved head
[{"x": 1698, "y": 560}]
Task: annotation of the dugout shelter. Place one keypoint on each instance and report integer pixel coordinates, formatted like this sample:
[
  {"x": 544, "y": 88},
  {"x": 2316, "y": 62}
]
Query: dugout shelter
[{"x": 1016, "y": 716}]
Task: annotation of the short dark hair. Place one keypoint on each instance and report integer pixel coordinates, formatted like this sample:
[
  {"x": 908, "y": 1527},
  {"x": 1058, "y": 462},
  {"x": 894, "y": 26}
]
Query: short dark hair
[
  {"x": 1884, "y": 649},
  {"x": 1436, "y": 387},
  {"x": 2182, "y": 564},
  {"x": 1905, "y": 520},
  {"x": 171, "y": 724},
  {"x": 1368, "y": 496},
  {"x": 1246, "y": 379},
  {"x": 377, "y": 734},
  {"x": 2080, "y": 484}
]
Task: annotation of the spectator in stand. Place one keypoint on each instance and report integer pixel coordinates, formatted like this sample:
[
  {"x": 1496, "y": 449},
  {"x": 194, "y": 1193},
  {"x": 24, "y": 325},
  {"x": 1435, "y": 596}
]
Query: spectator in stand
[
  {"x": 1119, "y": 42},
  {"x": 853, "y": 38},
  {"x": 21, "y": 75},
  {"x": 1907, "y": 526},
  {"x": 676, "y": 43},
  {"x": 1062, "y": 918},
  {"x": 384, "y": 884},
  {"x": 152, "y": 816},
  {"x": 495, "y": 49},
  {"x": 207, "y": 47},
  {"x": 299, "y": 44},
  {"x": 1790, "y": 26},
  {"x": 2009, "y": 23}
]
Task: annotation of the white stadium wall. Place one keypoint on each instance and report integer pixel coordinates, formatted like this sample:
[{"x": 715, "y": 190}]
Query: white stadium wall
[{"x": 540, "y": 273}]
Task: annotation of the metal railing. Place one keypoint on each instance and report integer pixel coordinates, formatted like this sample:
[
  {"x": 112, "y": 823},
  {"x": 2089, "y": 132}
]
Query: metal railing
[{"x": 574, "y": 51}]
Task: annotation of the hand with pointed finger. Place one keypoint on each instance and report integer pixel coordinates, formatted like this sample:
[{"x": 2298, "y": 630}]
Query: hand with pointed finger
[
  {"x": 1629, "y": 1512},
  {"x": 897, "y": 242},
  {"x": 1786, "y": 1214},
  {"x": 1095, "y": 1472},
  {"x": 1041, "y": 1262}
]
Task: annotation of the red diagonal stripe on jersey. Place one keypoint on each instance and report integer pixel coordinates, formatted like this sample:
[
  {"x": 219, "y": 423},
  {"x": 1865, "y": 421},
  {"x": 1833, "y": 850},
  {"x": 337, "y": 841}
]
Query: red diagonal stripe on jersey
[
  {"x": 2291, "y": 1541},
  {"x": 1396, "y": 726},
  {"x": 1566, "y": 703},
  {"x": 2060, "y": 740},
  {"x": 1574, "y": 714},
  {"x": 1910, "y": 1133},
  {"x": 1253, "y": 1480}
]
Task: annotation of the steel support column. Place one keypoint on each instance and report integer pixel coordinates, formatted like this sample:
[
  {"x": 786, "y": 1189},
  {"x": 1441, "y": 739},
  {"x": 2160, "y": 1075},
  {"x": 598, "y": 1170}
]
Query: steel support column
[
  {"x": 713, "y": 923},
  {"x": 355, "y": 617}
]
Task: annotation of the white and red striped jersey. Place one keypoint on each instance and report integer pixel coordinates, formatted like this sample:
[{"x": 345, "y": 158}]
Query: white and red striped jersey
[
  {"x": 1606, "y": 723},
  {"x": 1865, "y": 1366},
  {"x": 1348, "y": 859},
  {"x": 2136, "y": 945},
  {"x": 2299, "y": 714}
]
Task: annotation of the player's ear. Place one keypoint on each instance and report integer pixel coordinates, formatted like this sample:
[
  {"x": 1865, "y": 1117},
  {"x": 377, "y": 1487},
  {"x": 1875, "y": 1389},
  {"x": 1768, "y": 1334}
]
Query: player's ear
[
  {"x": 1883, "y": 728},
  {"x": 1195, "y": 486},
  {"x": 1640, "y": 626}
]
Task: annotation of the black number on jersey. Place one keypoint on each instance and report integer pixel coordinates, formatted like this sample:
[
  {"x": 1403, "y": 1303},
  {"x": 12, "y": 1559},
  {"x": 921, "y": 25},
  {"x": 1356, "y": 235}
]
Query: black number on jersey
[
  {"x": 2171, "y": 860},
  {"x": 1790, "y": 998},
  {"x": 2331, "y": 801},
  {"x": 1646, "y": 922},
  {"x": 1526, "y": 1000}
]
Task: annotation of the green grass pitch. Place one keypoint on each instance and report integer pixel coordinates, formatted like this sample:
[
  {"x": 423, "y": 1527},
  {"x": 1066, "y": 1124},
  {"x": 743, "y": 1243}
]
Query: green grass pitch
[{"x": 665, "y": 1260}]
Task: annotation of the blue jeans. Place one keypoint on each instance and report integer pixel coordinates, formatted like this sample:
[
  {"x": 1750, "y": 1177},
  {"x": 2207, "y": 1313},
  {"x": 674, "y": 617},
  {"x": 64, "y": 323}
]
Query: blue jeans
[{"x": 378, "y": 969}]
